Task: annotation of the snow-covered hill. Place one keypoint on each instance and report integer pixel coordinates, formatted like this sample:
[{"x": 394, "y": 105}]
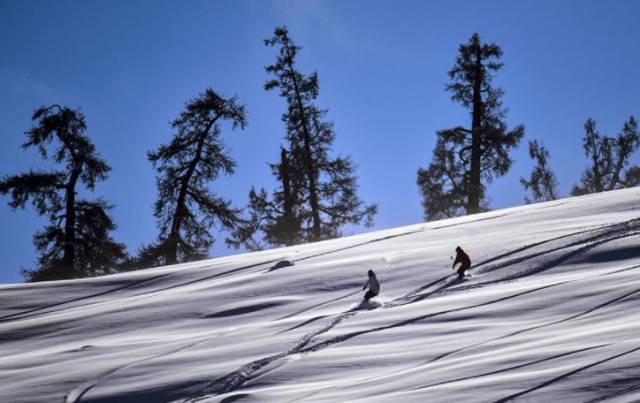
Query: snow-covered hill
[{"x": 552, "y": 313}]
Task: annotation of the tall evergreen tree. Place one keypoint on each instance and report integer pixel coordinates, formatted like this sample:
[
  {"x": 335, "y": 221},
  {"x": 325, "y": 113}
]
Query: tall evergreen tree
[
  {"x": 609, "y": 156},
  {"x": 542, "y": 182},
  {"x": 479, "y": 153},
  {"x": 317, "y": 193},
  {"x": 76, "y": 242},
  {"x": 186, "y": 209}
]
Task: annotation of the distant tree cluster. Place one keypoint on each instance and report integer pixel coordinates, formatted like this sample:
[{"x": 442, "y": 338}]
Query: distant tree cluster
[
  {"x": 466, "y": 159},
  {"x": 609, "y": 159},
  {"x": 609, "y": 167}
]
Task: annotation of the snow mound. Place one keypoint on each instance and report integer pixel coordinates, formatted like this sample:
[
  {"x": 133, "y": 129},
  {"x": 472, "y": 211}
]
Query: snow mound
[{"x": 549, "y": 314}]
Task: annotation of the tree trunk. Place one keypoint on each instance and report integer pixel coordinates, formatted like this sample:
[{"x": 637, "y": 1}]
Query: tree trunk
[
  {"x": 287, "y": 198},
  {"x": 547, "y": 181},
  {"x": 473, "y": 205},
  {"x": 622, "y": 155},
  {"x": 308, "y": 158},
  {"x": 69, "y": 256},
  {"x": 171, "y": 255},
  {"x": 597, "y": 175},
  {"x": 313, "y": 192}
]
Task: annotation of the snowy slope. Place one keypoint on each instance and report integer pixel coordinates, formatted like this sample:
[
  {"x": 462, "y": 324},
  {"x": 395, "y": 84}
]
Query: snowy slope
[{"x": 551, "y": 314}]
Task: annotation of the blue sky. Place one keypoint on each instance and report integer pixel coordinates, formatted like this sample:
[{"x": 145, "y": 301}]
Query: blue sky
[{"x": 131, "y": 65}]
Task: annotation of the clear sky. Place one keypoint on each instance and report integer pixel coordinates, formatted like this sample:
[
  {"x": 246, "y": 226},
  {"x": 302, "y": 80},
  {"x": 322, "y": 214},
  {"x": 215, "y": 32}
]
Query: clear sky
[{"x": 131, "y": 65}]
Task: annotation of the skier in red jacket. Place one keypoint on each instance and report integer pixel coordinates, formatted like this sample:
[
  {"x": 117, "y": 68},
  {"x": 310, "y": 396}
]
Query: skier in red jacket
[{"x": 464, "y": 261}]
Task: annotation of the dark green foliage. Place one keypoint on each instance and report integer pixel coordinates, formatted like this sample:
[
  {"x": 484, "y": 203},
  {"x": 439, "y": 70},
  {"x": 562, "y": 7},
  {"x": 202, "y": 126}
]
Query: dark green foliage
[
  {"x": 631, "y": 177},
  {"x": 95, "y": 252},
  {"x": 542, "y": 181},
  {"x": 186, "y": 209},
  {"x": 41, "y": 187},
  {"x": 278, "y": 220},
  {"x": 317, "y": 193},
  {"x": 443, "y": 184},
  {"x": 609, "y": 158},
  {"x": 466, "y": 158},
  {"x": 76, "y": 242}
]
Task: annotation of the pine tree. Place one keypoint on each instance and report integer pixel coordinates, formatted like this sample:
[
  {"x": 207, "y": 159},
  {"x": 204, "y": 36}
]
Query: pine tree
[
  {"x": 442, "y": 183},
  {"x": 624, "y": 146},
  {"x": 598, "y": 149},
  {"x": 609, "y": 156},
  {"x": 186, "y": 209},
  {"x": 76, "y": 242},
  {"x": 317, "y": 193},
  {"x": 480, "y": 153},
  {"x": 278, "y": 220},
  {"x": 542, "y": 182}
]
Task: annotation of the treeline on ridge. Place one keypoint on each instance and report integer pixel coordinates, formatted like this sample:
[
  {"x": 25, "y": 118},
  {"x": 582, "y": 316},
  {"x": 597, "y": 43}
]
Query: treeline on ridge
[{"x": 316, "y": 192}]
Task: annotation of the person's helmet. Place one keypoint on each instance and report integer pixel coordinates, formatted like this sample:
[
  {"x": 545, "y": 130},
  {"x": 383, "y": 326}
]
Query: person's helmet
[
  {"x": 371, "y": 273},
  {"x": 458, "y": 249}
]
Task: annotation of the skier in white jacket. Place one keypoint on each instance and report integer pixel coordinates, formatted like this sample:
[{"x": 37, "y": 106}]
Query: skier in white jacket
[{"x": 374, "y": 286}]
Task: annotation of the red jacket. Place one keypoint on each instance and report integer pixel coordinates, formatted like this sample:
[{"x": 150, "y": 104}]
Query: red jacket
[{"x": 463, "y": 258}]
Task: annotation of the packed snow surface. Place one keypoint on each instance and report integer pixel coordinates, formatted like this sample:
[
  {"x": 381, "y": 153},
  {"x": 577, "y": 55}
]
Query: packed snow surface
[{"x": 551, "y": 313}]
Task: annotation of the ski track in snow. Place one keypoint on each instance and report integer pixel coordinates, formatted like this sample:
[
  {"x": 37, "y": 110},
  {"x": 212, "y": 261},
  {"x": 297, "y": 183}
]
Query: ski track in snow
[
  {"x": 345, "y": 337},
  {"x": 546, "y": 324},
  {"x": 584, "y": 257},
  {"x": 622, "y": 392},
  {"x": 511, "y": 368},
  {"x": 78, "y": 392},
  {"x": 236, "y": 379},
  {"x": 566, "y": 375}
]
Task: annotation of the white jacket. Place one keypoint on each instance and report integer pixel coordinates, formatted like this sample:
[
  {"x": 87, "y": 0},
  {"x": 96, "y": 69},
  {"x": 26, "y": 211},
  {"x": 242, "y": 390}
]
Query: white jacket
[{"x": 373, "y": 285}]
